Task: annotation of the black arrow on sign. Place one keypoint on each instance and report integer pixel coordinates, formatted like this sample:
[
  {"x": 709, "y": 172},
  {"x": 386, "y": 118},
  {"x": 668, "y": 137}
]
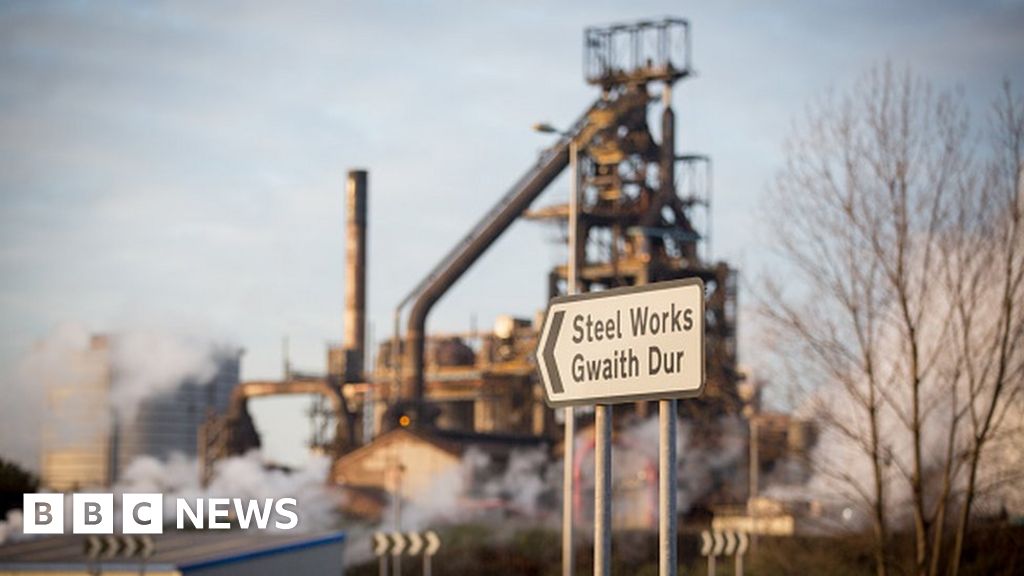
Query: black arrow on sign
[{"x": 549, "y": 352}]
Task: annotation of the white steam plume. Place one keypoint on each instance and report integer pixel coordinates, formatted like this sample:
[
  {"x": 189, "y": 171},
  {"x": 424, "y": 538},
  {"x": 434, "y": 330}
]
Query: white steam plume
[
  {"x": 245, "y": 477},
  {"x": 24, "y": 390},
  {"x": 146, "y": 363},
  {"x": 527, "y": 489},
  {"x": 140, "y": 364}
]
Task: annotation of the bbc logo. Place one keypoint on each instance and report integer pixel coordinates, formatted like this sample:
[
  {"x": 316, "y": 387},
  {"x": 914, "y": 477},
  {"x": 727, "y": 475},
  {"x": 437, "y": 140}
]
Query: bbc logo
[{"x": 93, "y": 513}]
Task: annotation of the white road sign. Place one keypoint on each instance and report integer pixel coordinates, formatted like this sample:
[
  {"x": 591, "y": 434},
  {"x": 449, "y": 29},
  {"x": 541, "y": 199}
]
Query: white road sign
[
  {"x": 707, "y": 543},
  {"x": 433, "y": 543},
  {"x": 415, "y": 544},
  {"x": 725, "y": 543},
  {"x": 744, "y": 542},
  {"x": 110, "y": 546},
  {"x": 409, "y": 543},
  {"x": 623, "y": 345},
  {"x": 730, "y": 543},
  {"x": 399, "y": 545}
]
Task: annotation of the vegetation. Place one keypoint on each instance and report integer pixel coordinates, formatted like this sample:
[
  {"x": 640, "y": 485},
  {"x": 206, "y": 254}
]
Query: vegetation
[
  {"x": 992, "y": 550},
  {"x": 904, "y": 238},
  {"x": 14, "y": 482}
]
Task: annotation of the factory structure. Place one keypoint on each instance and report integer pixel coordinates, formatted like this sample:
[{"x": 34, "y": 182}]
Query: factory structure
[
  {"x": 86, "y": 443},
  {"x": 644, "y": 217}
]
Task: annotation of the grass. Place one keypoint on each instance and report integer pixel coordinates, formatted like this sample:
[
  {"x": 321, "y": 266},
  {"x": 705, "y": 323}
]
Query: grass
[{"x": 488, "y": 549}]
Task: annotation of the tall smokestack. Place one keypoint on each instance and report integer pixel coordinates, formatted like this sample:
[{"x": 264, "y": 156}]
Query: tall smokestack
[{"x": 355, "y": 274}]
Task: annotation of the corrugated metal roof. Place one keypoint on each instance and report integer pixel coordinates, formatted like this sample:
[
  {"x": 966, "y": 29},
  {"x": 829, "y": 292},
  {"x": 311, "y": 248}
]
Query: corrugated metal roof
[{"x": 174, "y": 550}]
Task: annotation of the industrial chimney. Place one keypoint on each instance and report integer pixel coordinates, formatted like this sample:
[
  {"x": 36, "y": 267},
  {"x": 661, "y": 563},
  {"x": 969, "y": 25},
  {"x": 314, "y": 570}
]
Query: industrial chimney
[{"x": 355, "y": 275}]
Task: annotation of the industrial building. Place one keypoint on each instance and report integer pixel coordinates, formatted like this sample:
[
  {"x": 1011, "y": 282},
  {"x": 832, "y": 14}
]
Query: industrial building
[
  {"x": 410, "y": 462},
  {"x": 183, "y": 554},
  {"x": 86, "y": 443},
  {"x": 643, "y": 216},
  {"x": 76, "y": 430}
]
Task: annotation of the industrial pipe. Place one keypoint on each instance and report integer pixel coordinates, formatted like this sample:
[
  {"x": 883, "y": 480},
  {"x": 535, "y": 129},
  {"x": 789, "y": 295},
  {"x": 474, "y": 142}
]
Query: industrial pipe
[
  {"x": 355, "y": 274},
  {"x": 489, "y": 229}
]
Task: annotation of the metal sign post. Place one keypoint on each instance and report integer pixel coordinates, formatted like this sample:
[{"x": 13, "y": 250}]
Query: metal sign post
[
  {"x": 626, "y": 345},
  {"x": 741, "y": 550},
  {"x": 380, "y": 549},
  {"x": 724, "y": 543},
  {"x": 707, "y": 544},
  {"x": 603, "y": 490},
  {"x": 569, "y": 442},
  {"x": 411, "y": 543},
  {"x": 433, "y": 544},
  {"x": 568, "y": 457},
  {"x": 397, "y": 548},
  {"x": 667, "y": 484}
]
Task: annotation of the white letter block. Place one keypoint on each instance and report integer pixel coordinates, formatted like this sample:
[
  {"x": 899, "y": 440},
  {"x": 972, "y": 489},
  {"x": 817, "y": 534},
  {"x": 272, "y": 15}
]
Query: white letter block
[
  {"x": 142, "y": 514},
  {"x": 43, "y": 513},
  {"x": 92, "y": 514}
]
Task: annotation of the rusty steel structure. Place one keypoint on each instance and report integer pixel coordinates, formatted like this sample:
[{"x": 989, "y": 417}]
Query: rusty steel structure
[
  {"x": 643, "y": 217},
  {"x": 638, "y": 219}
]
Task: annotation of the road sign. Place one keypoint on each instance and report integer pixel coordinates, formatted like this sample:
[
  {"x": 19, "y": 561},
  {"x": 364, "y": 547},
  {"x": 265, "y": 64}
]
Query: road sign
[
  {"x": 110, "y": 546},
  {"x": 730, "y": 543},
  {"x": 727, "y": 543},
  {"x": 409, "y": 543},
  {"x": 706, "y": 543},
  {"x": 147, "y": 546},
  {"x": 130, "y": 546},
  {"x": 623, "y": 345},
  {"x": 93, "y": 547},
  {"x": 399, "y": 544},
  {"x": 719, "y": 544},
  {"x": 433, "y": 543},
  {"x": 415, "y": 544},
  {"x": 723, "y": 543},
  {"x": 741, "y": 549},
  {"x": 744, "y": 543}
]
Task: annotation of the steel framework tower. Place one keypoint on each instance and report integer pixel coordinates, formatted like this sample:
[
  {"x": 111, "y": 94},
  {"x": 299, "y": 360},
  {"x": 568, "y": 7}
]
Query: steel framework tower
[{"x": 645, "y": 208}]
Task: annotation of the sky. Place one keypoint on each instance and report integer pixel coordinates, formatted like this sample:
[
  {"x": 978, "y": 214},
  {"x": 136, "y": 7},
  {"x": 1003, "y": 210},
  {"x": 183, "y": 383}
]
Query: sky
[{"x": 180, "y": 166}]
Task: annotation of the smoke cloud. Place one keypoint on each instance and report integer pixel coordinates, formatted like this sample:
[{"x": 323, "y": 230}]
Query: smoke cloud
[
  {"x": 147, "y": 363},
  {"x": 139, "y": 364},
  {"x": 245, "y": 477},
  {"x": 25, "y": 391},
  {"x": 527, "y": 488}
]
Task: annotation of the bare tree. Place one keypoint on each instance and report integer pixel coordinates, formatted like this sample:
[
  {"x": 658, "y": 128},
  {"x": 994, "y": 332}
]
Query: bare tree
[
  {"x": 908, "y": 258},
  {"x": 989, "y": 290}
]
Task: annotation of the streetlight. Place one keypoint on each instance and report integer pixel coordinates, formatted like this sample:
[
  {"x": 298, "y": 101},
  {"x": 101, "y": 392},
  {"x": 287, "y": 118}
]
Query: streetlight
[
  {"x": 572, "y": 277},
  {"x": 572, "y": 281}
]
